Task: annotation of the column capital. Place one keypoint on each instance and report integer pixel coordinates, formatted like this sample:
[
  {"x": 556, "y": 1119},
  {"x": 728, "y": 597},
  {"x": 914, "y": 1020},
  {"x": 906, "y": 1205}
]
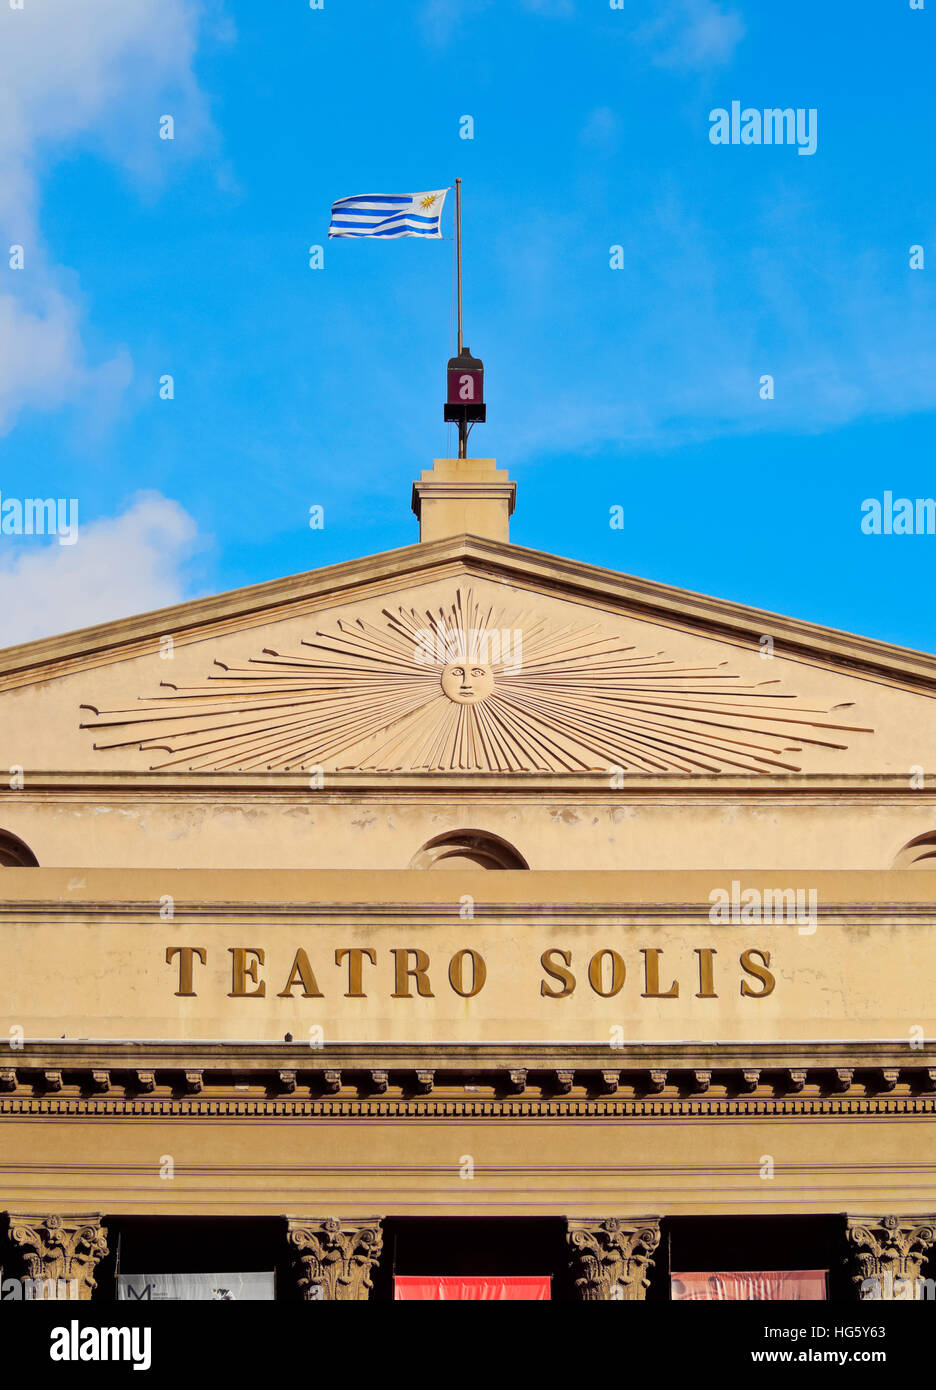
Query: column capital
[
  {"x": 59, "y": 1253},
  {"x": 889, "y": 1252},
  {"x": 612, "y": 1256},
  {"x": 335, "y": 1258}
]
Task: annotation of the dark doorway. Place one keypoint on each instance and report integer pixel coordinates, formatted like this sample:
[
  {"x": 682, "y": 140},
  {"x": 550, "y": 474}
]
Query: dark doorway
[
  {"x": 735, "y": 1243},
  {"x": 474, "y": 1246},
  {"x": 195, "y": 1245}
]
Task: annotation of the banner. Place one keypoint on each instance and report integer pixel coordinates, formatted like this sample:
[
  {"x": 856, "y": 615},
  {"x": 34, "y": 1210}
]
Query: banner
[
  {"x": 188, "y": 1288},
  {"x": 534, "y": 1288},
  {"x": 790, "y": 1285}
]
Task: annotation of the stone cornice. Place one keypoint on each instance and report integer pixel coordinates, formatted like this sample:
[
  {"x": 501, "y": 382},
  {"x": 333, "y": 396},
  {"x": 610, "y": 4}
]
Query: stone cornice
[
  {"x": 476, "y": 1056},
  {"x": 216, "y": 788},
  {"x": 151, "y": 1080},
  {"x": 217, "y": 614},
  {"x": 300, "y": 915},
  {"x": 352, "y": 580},
  {"x": 385, "y": 1080},
  {"x": 430, "y": 489}
]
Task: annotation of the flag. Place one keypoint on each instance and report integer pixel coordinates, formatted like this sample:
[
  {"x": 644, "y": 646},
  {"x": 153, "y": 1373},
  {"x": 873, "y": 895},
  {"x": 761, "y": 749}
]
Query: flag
[{"x": 389, "y": 214}]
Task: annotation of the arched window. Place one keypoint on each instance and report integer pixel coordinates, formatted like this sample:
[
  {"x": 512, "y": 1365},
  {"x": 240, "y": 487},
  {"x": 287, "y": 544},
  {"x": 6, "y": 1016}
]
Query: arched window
[
  {"x": 919, "y": 853},
  {"x": 14, "y": 854},
  {"x": 468, "y": 849}
]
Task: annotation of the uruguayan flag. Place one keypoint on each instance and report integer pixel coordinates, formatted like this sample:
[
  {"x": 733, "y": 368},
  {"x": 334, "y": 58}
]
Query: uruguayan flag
[{"x": 389, "y": 214}]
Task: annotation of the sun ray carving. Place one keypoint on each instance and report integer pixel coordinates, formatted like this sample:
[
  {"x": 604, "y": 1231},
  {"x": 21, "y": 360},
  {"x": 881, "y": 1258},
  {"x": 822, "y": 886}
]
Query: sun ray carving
[{"x": 465, "y": 689}]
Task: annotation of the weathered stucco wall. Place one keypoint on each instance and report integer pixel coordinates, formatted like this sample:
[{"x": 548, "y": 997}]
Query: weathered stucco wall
[{"x": 321, "y": 829}]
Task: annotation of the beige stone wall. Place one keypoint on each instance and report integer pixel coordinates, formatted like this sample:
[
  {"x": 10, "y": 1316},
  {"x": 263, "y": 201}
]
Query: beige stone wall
[
  {"x": 851, "y": 806},
  {"x": 260, "y": 860},
  {"x": 551, "y": 1166},
  {"x": 84, "y": 955},
  {"x": 299, "y": 828}
]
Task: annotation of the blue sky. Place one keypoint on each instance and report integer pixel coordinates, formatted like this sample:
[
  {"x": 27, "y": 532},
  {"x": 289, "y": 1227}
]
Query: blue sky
[{"x": 636, "y": 386}]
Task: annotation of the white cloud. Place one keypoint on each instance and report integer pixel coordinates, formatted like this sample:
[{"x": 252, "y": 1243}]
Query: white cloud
[
  {"x": 693, "y": 34},
  {"x": 118, "y": 566},
  {"x": 697, "y": 318},
  {"x": 442, "y": 20},
  {"x": 42, "y": 360},
  {"x": 76, "y": 74}
]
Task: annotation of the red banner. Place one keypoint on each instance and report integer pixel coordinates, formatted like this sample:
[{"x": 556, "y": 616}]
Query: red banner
[
  {"x": 411, "y": 1286},
  {"x": 751, "y": 1285}
]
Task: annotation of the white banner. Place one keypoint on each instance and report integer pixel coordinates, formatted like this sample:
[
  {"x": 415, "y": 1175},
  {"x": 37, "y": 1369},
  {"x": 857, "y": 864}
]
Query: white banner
[
  {"x": 789, "y": 1285},
  {"x": 174, "y": 1288}
]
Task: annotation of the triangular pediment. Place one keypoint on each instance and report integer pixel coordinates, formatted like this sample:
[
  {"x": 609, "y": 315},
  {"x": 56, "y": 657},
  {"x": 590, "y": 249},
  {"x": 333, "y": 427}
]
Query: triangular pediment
[{"x": 470, "y": 657}]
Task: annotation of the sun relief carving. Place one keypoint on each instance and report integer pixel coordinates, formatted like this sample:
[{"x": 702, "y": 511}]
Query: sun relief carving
[
  {"x": 471, "y": 688},
  {"x": 467, "y": 682}
]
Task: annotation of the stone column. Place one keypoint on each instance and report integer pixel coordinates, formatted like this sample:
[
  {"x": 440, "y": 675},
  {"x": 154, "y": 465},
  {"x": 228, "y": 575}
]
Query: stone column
[
  {"x": 888, "y": 1252},
  {"x": 59, "y": 1253},
  {"x": 611, "y": 1258},
  {"x": 335, "y": 1259}
]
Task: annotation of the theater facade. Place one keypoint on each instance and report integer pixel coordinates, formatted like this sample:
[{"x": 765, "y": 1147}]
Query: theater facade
[{"x": 466, "y": 922}]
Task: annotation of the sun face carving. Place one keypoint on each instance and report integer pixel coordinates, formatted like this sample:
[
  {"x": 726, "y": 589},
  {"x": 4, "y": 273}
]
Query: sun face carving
[
  {"x": 467, "y": 682},
  {"x": 465, "y": 687}
]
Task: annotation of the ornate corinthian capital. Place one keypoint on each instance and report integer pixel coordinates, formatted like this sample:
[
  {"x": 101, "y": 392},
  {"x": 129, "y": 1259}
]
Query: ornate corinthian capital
[
  {"x": 611, "y": 1259},
  {"x": 59, "y": 1253},
  {"x": 335, "y": 1259},
  {"x": 889, "y": 1252}
]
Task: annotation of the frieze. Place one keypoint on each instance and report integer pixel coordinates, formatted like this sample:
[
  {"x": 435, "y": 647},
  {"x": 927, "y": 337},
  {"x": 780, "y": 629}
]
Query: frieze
[{"x": 475, "y": 1108}]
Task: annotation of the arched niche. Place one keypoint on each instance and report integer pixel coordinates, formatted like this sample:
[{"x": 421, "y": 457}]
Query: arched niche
[
  {"x": 15, "y": 853},
  {"x": 919, "y": 853},
  {"x": 468, "y": 849}
]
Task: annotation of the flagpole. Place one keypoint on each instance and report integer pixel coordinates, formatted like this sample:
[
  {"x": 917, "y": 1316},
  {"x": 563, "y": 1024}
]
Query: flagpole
[
  {"x": 462, "y": 424},
  {"x": 458, "y": 275},
  {"x": 464, "y": 395}
]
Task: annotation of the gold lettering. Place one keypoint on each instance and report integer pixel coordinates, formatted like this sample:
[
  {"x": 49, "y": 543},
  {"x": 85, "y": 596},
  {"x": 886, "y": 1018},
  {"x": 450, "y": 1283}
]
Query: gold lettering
[
  {"x": 618, "y": 973},
  {"x": 244, "y": 970},
  {"x": 760, "y": 972},
  {"x": 402, "y": 972},
  {"x": 186, "y": 956},
  {"x": 301, "y": 973},
  {"x": 651, "y": 955},
  {"x": 356, "y": 956},
  {"x": 706, "y": 956},
  {"x": 558, "y": 972},
  {"x": 456, "y": 972}
]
